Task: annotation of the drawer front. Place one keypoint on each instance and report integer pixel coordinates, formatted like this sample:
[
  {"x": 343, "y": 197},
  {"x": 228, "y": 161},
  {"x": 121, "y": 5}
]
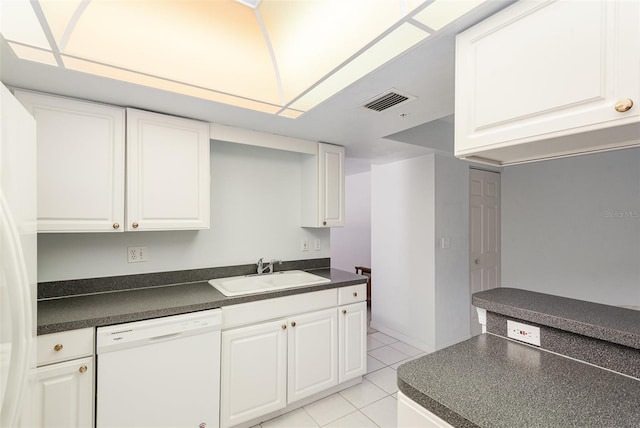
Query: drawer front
[
  {"x": 352, "y": 294},
  {"x": 279, "y": 307},
  {"x": 66, "y": 345}
]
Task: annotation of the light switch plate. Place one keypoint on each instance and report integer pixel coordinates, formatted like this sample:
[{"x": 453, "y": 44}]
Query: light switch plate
[{"x": 523, "y": 332}]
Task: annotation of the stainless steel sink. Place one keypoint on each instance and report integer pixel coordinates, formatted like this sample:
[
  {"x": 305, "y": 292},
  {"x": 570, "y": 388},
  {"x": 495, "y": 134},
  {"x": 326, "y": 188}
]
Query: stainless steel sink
[{"x": 241, "y": 285}]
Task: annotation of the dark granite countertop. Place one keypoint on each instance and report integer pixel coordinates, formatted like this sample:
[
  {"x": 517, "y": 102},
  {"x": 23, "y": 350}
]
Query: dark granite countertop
[
  {"x": 610, "y": 323},
  {"x": 114, "y": 307},
  {"x": 489, "y": 381}
]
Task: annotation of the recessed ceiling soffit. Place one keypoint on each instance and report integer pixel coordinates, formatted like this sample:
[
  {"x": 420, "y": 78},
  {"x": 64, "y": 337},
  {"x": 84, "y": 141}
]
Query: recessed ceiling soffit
[{"x": 281, "y": 57}]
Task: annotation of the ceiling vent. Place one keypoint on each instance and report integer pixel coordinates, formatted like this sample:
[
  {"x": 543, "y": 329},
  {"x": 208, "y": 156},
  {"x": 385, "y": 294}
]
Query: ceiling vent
[{"x": 389, "y": 99}]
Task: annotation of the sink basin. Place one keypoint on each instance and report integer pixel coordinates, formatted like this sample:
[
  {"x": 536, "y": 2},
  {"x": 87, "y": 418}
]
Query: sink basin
[{"x": 249, "y": 284}]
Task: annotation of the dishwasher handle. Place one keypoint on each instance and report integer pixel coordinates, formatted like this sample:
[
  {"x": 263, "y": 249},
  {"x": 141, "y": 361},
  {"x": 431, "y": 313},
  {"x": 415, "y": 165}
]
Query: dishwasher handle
[{"x": 165, "y": 337}]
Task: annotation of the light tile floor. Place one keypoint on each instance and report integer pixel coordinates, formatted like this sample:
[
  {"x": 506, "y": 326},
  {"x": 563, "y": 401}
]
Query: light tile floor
[{"x": 369, "y": 404}]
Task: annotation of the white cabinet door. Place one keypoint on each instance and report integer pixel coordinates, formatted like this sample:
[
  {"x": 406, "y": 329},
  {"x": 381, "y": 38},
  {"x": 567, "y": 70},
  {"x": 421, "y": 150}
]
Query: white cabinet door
[
  {"x": 413, "y": 415},
  {"x": 534, "y": 72},
  {"x": 352, "y": 337},
  {"x": 254, "y": 370},
  {"x": 167, "y": 172},
  {"x": 313, "y": 362},
  {"x": 331, "y": 184},
  {"x": 63, "y": 395},
  {"x": 323, "y": 187},
  {"x": 80, "y": 164}
]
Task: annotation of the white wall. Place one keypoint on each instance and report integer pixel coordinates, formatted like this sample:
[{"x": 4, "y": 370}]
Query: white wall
[
  {"x": 255, "y": 212},
  {"x": 351, "y": 244},
  {"x": 571, "y": 227},
  {"x": 420, "y": 290},
  {"x": 453, "y": 298},
  {"x": 402, "y": 250}
]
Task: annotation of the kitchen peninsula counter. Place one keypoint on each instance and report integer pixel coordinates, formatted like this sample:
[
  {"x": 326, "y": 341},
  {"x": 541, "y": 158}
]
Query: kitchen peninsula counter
[
  {"x": 72, "y": 312},
  {"x": 489, "y": 381}
]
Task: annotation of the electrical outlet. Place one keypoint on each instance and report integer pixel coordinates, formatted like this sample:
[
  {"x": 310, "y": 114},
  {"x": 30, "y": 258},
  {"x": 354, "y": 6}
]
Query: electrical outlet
[
  {"x": 137, "y": 254},
  {"x": 304, "y": 245},
  {"x": 316, "y": 245},
  {"x": 523, "y": 332}
]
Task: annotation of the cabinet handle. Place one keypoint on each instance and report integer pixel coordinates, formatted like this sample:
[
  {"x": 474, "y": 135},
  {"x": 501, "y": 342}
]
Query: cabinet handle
[
  {"x": 284, "y": 326},
  {"x": 324, "y": 223},
  {"x": 624, "y": 104},
  {"x": 134, "y": 225},
  {"x": 116, "y": 225},
  {"x": 344, "y": 311},
  {"x": 355, "y": 294},
  {"x": 293, "y": 323},
  {"x": 82, "y": 369},
  {"x": 58, "y": 347}
]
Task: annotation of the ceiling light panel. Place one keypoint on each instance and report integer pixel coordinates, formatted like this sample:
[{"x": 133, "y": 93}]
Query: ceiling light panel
[
  {"x": 311, "y": 38},
  {"x": 33, "y": 54},
  {"x": 443, "y": 12},
  {"x": 216, "y": 45},
  {"x": 59, "y": 15},
  {"x": 18, "y": 22}
]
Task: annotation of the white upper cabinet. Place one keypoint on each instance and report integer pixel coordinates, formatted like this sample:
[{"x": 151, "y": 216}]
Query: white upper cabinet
[
  {"x": 323, "y": 187},
  {"x": 82, "y": 168},
  {"x": 167, "y": 172},
  {"x": 80, "y": 164},
  {"x": 545, "y": 79}
]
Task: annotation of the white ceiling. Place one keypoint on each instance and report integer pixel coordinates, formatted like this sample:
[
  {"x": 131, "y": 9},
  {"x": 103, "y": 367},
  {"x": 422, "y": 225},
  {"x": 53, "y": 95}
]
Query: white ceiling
[{"x": 426, "y": 71}]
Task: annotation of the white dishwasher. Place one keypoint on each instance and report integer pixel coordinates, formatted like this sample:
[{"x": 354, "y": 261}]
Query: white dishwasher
[{"x": 163, "y": 372}]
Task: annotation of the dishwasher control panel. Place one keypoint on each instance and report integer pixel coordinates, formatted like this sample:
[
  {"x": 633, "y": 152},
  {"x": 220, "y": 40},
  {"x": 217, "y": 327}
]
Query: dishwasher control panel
[{"x": 114, "y": 337}]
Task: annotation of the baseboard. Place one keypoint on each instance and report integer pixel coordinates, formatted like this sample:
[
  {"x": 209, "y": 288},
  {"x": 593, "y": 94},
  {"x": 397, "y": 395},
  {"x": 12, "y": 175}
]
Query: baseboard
[
  {"x": 402, "y": 337},
  {"x": 300, "y": 403}
]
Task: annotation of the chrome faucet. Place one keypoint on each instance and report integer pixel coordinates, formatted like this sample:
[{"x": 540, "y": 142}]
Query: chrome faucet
[{"x": 268, "y": 268}]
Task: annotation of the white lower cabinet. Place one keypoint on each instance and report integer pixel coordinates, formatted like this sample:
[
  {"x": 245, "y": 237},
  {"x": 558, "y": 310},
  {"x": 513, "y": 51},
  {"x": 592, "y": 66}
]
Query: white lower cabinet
[
  {"x": 413, "y": 415},
  {"x": 254, "y": 369},
  {"x": 313, "y": 354},
  {"x": 269, "y": 365},
  {"x": 284, "y": 356},
  {"x": 63, "y": 394},
  {"x": 352, "y": 334}
]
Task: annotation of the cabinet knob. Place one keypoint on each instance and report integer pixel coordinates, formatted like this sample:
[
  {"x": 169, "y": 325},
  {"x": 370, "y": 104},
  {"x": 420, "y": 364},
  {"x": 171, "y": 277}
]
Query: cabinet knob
[
  {"x": 134, "y": 225},
  {"x": 324, "y": 223},
  {"x": 344, "y": 311},
  {"x": 284, "y": 326},
  {"x": 355, "y": 294},
  {"x": 624, "y": 104},
  {"x": 58, "y": 347},
  {"x": 116, "y": 225},
  {"x": 82, "y": 369},
  {"x": 293, "y": 323}
]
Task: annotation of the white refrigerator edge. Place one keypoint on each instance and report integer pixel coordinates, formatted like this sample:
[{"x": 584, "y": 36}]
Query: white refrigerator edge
[{"x": 18, "y": 260}]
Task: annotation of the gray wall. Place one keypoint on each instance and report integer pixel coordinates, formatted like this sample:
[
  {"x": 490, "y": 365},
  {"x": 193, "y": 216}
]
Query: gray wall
[
  {"x": 255, "y": 212},
  {"x": 452, "y": 264},
  {"x": 571, "y": 227},
  {"x": 420, "y": 290},
  {"x": 402, "y": 250}
]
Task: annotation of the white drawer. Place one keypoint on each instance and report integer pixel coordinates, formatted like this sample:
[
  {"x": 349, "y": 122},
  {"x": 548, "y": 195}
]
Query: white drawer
[
  {"x": 66, "y": 345},
  {"x": 352, "y": 294},
  {"x": 279, "y": 307}
]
